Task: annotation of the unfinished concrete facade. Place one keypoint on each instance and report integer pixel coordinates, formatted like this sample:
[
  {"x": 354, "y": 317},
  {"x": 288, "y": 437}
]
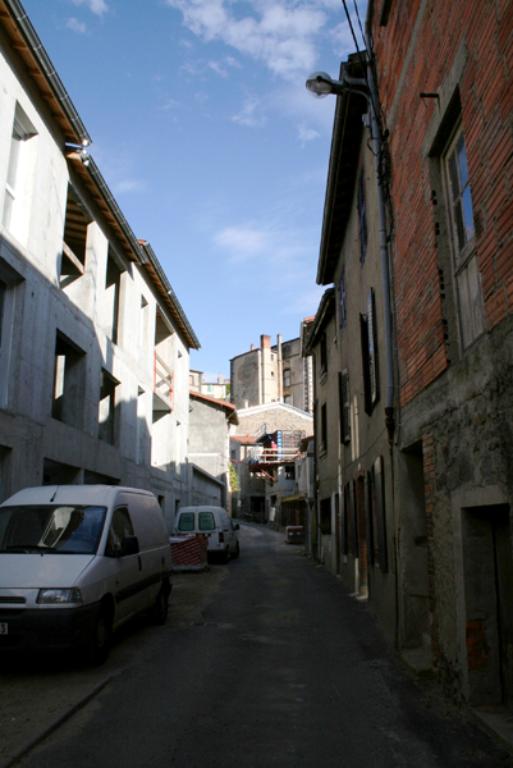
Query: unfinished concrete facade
[
  {"x": 273, "y": 373},
  {"x": 94, "y": 345}
]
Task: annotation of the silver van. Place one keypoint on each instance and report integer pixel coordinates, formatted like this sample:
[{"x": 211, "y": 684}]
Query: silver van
[
  {"x": 215, "y": 523},
  {"x": 76, "y": 562}
]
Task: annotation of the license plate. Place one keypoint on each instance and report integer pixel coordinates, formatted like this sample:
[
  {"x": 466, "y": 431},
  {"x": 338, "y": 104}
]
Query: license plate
[{"x": 4, "y": 628}]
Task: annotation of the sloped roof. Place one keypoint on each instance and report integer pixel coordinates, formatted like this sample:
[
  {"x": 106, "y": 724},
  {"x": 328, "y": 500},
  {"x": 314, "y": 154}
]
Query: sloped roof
[
  {"x": 229, "y": 408},
  {"x": 342, "y": 170}
]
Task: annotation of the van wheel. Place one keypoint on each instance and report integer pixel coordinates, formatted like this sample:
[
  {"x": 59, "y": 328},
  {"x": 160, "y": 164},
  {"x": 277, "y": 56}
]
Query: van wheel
[
  {"x": 160, "y": 609},
  {"x": 100, "y": 639}
]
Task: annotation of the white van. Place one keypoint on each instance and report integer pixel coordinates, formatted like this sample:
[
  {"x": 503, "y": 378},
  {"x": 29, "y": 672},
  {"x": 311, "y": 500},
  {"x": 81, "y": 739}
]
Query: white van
[
  {"x": 215, "y": 523},
  {"x": 77, "y": 561}
]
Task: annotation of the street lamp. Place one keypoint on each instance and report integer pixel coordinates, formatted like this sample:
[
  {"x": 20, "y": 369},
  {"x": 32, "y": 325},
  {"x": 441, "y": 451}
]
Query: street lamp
[{"x": 321, "y": 84}]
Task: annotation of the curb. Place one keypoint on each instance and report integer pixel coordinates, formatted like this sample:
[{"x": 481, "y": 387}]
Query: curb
[{"x": 11, "y": 761}]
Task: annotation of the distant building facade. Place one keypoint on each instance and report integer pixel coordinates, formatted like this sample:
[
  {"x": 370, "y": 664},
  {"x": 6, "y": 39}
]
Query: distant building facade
[
  {"x": 265, "y": 448},
  {"x": 210, "y": 423},
  {"x": 220, "y": 388},
  {"x": 273, "y": 373}
]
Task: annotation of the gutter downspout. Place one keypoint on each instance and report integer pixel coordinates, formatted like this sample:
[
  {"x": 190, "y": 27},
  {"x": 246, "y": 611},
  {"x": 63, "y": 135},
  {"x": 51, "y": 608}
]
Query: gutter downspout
[{"x": 387, "y": 281}]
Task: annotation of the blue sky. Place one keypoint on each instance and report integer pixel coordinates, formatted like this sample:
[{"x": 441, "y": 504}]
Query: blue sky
[{"x": 213, "y": 148}]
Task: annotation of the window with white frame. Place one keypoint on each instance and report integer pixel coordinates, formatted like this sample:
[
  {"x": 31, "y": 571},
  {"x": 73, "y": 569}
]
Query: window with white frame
[
  {"x": 20, "y": 172},
  {"x": 460, "y": 211}
]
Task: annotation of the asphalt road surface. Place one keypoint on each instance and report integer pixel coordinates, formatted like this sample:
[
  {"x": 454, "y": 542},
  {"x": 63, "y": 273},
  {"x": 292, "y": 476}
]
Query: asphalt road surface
[{"x": 280, "y": 668}]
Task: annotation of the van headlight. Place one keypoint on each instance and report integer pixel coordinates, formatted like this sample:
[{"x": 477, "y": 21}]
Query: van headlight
[{"x": 59, "y": 596}]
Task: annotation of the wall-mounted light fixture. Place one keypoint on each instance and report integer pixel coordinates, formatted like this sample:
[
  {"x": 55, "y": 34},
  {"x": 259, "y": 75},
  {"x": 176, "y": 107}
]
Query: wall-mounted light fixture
[
  {"x": 77, "y": 151},
  {"x": 321, "y": 84}
]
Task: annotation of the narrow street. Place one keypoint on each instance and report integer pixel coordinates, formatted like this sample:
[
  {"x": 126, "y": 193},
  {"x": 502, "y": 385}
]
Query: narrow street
[{"x": 278, "y": 667}]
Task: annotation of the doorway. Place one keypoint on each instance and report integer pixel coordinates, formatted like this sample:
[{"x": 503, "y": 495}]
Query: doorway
[{"x": 488, "y": 580}]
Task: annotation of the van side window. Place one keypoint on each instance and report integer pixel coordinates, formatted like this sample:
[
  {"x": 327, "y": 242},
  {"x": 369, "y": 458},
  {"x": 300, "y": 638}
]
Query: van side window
[
  {"x": 186, "y": 521},
  {"x": 206, "y": 521},
  {"x": 120, "y": 527}
]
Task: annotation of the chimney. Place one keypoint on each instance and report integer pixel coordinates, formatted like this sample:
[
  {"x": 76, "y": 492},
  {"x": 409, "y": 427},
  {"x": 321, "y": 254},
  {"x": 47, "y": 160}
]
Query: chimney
[{"x": 265, "y": 342}]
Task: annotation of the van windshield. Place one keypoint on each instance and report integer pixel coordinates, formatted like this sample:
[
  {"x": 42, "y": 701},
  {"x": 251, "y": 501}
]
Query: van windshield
[{"x": 62, "y": 529}]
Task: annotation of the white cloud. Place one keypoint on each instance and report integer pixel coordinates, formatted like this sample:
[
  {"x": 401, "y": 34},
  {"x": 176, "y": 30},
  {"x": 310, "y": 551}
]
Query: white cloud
[
  {"x": 98, "y": 7},
  {"x": 221, "y": 68},
  {"x": 76, "y": 26},
  {"x": 269, "y": 242},
  {"x": 242, "y": 242},
  {"x": 218, "y": 68},
  {"x": 129, "y": 185},
  {"x": 169, "y": 105},
  {"x": 307, "y": 134},
  {"x": 280, "y": 34},
  {"x": 249, "y": 114}
]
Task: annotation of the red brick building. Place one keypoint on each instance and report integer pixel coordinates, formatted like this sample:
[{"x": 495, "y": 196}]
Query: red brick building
[{"x": 445, "y": 77}]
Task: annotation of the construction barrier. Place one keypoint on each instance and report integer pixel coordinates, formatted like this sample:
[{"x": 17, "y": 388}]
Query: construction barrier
[{"x": 188, "y": 553}]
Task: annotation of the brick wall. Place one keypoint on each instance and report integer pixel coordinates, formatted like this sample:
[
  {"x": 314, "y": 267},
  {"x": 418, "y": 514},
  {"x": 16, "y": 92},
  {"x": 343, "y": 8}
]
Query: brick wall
[{"x": 415, "y": 53}]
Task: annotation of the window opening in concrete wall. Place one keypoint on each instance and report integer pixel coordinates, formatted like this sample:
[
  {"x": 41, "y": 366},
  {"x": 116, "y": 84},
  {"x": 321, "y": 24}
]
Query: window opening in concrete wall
[
  {"x": 460, "y": 210},
  {"x": 488, "y": 580},
  {"x": 113, "y": 297},
  {"x": 76, "y": 223},
  {"x": 9, "y": 294},
  {"x": 144, "y": 341},
  {"x": 163, "y": 376},
  {"x": 68, "y": 382},
  {"x": 96, "y": 478},
  {"x": 286, "y": 377},
  {"x": 58, "y": 473},
  {"x": 142, "y": 439},
  {"x": 5, "y": 455},
  {"x": 108, "y": 426},
  {"x": 20, "y": 176}
]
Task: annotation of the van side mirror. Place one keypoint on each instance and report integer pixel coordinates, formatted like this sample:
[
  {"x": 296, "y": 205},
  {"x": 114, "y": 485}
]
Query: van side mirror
[{"x": 129, "y": 546}]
